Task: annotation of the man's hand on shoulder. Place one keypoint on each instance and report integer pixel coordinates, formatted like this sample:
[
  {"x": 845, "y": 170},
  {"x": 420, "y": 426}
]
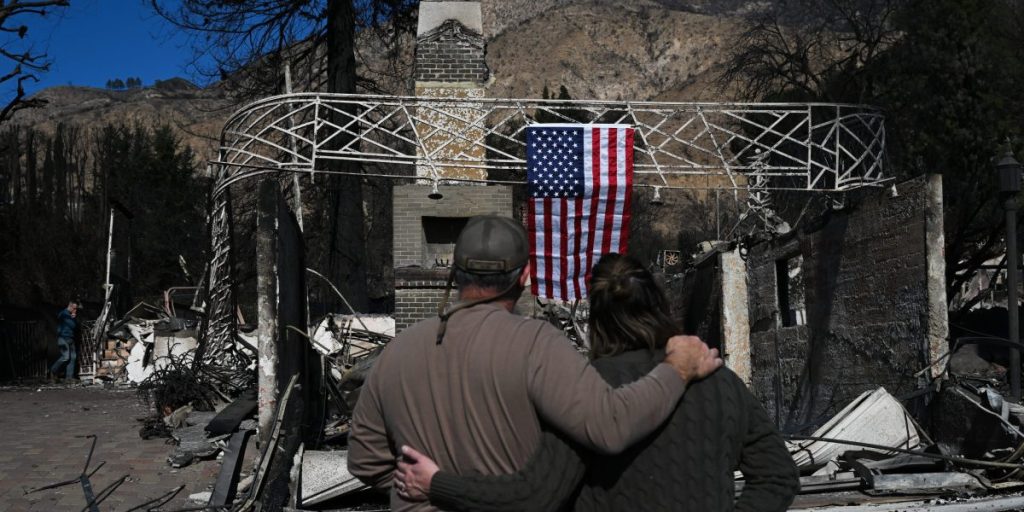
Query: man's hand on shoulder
[{"x": 691, "y": 357}]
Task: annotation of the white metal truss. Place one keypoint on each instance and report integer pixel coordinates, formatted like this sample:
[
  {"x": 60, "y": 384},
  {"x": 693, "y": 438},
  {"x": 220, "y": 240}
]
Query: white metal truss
[
  {"x": 754, "y": 147},
  {"x": 806, "y": 146}
]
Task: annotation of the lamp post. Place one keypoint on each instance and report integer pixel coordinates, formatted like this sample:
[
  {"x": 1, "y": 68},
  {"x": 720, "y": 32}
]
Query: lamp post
[{"x": 1009, "y": 170}]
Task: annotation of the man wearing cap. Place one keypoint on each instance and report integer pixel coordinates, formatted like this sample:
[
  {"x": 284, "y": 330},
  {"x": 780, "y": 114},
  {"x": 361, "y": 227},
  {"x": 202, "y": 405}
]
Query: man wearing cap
[{"x": 471, "y": 386}]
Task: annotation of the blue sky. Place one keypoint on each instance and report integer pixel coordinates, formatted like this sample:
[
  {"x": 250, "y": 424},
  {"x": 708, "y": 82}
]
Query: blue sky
[{"x": 95, "y": 40}]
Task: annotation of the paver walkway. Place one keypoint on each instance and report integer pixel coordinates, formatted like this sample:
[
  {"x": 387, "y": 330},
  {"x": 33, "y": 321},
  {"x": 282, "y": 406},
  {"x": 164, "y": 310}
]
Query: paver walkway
[{"x": 38, "y": 446}]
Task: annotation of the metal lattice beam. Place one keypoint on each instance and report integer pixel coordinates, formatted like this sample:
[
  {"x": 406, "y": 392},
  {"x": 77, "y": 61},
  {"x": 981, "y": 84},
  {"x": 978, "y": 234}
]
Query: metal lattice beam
[
  {"x": 822, "y": 147},
  {"x": 756, "y": 147}
]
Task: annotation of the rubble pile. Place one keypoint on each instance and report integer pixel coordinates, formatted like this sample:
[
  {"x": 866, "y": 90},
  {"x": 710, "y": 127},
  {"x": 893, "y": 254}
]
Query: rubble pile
[
  {"x": 968, "y": 446},
  {"x": 971, "y": 451},
  {"x": 145, "y": 340}
]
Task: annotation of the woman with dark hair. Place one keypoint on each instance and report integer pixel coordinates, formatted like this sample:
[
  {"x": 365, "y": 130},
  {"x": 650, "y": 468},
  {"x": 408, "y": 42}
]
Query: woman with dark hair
[{"x": 687, "y": 464}]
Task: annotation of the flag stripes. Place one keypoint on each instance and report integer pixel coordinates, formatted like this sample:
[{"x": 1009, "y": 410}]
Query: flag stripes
[{"x": 580, "y": 181}]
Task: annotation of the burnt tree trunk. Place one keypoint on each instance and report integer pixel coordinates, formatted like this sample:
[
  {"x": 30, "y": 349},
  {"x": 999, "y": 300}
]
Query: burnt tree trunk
[{"x": 346, "y": 246}]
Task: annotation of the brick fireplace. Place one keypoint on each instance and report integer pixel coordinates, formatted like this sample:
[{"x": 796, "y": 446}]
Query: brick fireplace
[{"x": 424, "y": 237}]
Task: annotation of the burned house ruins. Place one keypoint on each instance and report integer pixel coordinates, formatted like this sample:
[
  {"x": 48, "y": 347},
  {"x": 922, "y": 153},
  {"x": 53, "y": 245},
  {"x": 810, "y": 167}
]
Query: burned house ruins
[{"x": 838, "y": 325}]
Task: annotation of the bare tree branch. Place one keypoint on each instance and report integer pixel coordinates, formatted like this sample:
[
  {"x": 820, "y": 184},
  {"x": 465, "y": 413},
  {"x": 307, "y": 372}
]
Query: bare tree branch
[{"x": 25, "y": 62}]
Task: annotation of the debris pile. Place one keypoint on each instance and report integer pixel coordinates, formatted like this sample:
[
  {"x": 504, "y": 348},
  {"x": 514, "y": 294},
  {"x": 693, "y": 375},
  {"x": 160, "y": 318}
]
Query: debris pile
[
  {"x": 145, "y": 340},
  {"x": 972, "y": 449}
]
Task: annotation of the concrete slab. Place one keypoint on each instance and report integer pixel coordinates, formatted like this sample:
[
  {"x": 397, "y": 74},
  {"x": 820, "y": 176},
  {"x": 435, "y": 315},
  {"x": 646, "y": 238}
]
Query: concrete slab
[{"x": 325, "y": 475}]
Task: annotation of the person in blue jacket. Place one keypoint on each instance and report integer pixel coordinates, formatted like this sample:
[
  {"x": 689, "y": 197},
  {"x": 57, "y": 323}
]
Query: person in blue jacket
[{"x": 66, "y": 324}]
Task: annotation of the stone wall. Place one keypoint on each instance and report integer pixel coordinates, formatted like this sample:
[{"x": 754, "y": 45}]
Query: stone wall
[{"x": 868, "y": 314}]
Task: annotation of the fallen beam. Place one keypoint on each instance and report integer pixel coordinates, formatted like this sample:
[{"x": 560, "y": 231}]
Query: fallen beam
[
  {"x": 228, "y": 419},
  {"x": 227, "y": 479}
]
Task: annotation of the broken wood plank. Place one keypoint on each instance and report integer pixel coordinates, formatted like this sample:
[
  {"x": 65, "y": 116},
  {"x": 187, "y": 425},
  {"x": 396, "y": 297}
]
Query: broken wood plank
[{"x": 227, "y": 479}]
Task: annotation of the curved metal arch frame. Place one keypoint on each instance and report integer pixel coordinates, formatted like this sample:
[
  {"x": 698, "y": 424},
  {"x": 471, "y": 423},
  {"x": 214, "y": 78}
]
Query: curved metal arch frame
[
  {"x": 758, "y": 147},
  {"x": 828, "y": 147}
]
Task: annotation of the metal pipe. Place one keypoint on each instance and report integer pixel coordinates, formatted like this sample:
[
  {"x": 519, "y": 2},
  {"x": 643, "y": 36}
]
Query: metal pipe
[
  {"x": 1012, "y": 283},
  {"x": 110, "y": 244}
]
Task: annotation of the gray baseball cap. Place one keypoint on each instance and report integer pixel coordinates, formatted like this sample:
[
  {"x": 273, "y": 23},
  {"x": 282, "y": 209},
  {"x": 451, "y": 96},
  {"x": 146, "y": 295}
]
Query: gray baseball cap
[{"x": 490, "y": 244}]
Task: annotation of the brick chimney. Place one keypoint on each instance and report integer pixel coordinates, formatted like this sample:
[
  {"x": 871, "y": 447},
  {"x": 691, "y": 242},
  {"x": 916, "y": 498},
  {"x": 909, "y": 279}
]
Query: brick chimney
[{"x": 450, "y": 64}]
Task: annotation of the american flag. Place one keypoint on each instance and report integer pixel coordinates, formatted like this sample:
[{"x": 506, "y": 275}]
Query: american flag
[{"x": 580, "y": 179}]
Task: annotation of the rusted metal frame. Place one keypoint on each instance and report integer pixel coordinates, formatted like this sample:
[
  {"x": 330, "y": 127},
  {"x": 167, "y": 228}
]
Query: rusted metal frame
[
  {"x": 835, "y": 131},
  {"x": 810, "y": 149},
  {"x": 659, "y": 148},
  {"x": 375, "y": 126},
  {"x": 241, "y": 147},
  {"x": 419, "y": 100},
  {"x": 674, "y": 135},
  {"x": 419, "y": 142},
  {"x": 364, "y": 119},
  {"x": 756, "y": 144},
  {"x": 256, "y": 156},
  {"x": 358, "y": 137},
  {"x": 431, "y": 132},
  {"x": 361, "y": 156},
  {"x": 654, "y": 161},
  {"x": 252, "y": 172},
  {"x": 288, "y": 131},
  {"x": 867, "y": 151},
  {"x": 513, "y": 114}
]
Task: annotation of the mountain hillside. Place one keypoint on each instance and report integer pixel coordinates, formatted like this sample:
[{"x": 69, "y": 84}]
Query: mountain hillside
[
  {"x": 500, "y": 15},
  {"x": 646, "y": 50},
  {"x": 197, "y": 114},
  {"x": 609, "y": 52},
  {"x": 669, "y": 50}
]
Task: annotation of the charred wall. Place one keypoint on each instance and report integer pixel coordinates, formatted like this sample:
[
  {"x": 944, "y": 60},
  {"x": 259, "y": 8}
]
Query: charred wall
[{"x": 847, "y": 304}]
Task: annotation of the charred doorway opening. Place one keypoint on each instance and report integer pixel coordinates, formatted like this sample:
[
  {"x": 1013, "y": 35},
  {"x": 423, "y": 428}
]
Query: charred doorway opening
[{"x": 790, "y": 285}]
